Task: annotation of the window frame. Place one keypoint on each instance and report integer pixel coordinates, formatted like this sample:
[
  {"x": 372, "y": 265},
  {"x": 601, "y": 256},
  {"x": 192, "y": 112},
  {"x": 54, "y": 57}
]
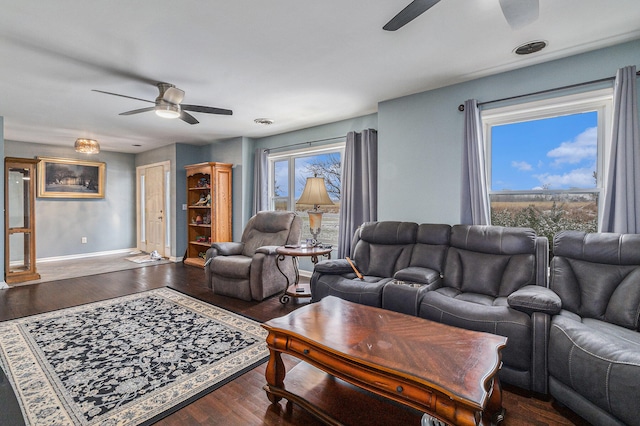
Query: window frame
[
  {"x": 600, "y": 100},
  {"x": 291, "y": 156}
]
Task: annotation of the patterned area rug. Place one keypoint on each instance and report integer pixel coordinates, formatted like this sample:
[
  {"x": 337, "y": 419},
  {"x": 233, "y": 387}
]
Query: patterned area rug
[{"x": 127, "y": 361}]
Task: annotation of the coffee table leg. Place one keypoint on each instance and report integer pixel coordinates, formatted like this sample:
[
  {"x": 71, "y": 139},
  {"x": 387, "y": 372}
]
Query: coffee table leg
[
  {"x": 494, "y": 406},
  {"x": 275, "y": 375}
]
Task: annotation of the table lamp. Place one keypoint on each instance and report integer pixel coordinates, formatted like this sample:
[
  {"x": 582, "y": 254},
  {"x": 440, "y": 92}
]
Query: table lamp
[{"x": 315, "y": 193}]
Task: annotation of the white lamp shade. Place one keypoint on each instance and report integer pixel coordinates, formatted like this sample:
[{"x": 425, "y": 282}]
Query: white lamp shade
[{"x": 315, "y": 193}]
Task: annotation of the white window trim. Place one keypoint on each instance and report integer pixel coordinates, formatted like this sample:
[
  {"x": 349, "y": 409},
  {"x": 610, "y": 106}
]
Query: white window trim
[
  {"x": 597, "y": 100},
  {"x": 291, "y": 155}
]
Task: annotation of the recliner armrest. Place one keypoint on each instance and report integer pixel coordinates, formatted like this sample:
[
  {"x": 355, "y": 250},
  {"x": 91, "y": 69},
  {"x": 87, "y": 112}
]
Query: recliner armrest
[
  {"x": 416, "y": 274},
  {"x": 333, "y": 267},
  {"x": 228, "y": 248},
  {"x": 268, "y": 250},
  {"x": 535, "y": 298}
]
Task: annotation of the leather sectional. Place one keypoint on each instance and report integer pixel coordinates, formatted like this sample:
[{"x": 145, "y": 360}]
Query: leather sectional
[{"x": 573, "y": 335}]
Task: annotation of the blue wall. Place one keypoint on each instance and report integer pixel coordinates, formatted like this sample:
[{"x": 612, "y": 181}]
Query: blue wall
[
  {"x": 420, "y": 140},
  {"x": 108, "y": 223},
  {"x": 420, "y": 136}
]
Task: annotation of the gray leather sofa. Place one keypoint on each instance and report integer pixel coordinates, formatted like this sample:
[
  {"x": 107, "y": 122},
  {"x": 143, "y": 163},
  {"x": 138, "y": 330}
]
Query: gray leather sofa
[
  {"x": 384, "y": 251},
  {"x": 484, "y": 278},
  {"x": 594, "y": 342},
  {"x": 494, "y": 280}
]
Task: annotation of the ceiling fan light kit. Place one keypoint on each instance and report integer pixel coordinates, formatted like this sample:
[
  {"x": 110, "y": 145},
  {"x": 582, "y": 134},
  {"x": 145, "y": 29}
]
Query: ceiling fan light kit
[
  {"x": 167, "y": 110},
  {"x": 87, "y": 146}
]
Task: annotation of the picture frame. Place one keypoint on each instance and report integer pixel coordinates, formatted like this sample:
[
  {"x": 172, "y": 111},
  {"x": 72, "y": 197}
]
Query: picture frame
[{"x": 70, "y": 178}]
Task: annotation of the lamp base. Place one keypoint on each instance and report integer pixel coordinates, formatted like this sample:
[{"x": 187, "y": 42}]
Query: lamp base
[{"x": 315, "y": 224}]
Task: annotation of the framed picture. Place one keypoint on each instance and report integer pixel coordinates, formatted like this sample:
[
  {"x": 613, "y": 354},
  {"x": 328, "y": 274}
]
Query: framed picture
[{"x": 67, "y": 178}]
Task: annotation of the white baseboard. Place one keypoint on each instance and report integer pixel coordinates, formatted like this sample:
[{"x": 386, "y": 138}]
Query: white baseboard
[
  {"x": 83, "y": 255},
  {"x": 94, "y": 254},
  {"x": 306, "y": 274},
  {"x": 3, "y": 285}
]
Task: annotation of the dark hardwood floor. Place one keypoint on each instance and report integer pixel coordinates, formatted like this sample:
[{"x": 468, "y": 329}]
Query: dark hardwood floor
[{"x": 242, "y": 401}]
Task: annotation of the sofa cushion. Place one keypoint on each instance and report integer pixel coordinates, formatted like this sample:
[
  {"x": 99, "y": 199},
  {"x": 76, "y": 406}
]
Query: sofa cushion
[
  {"x": 598, "y": 360},
  {"x": 268, "y": 228},
  {"x": 430, "y": 249},
  {"x": 490, "y": 260},
  {"x": 598, "y": 276},
  {"x": 365, "y": 292},
  {"x": 235, "y": 266},
  {"x": 382, "y": 248},
  {"x": 483, "y": 313}
]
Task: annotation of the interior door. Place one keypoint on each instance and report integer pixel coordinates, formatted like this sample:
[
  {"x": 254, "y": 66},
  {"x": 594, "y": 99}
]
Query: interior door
[{"x": 154, "y": 215}]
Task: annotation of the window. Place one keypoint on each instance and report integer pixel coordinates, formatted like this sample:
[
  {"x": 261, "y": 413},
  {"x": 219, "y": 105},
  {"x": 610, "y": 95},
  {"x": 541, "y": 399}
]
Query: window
[
  {"x": 288, "y": 173},
  {"x": 546, "y": 162}
]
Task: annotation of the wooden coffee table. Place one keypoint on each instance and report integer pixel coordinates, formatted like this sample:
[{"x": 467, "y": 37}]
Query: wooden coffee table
[{"x": 447, "y": 372}]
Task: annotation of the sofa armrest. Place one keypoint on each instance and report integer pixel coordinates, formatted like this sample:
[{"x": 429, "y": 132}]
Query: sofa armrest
[
  {"x": 228, "y": 248},
  {"x": 535, "y": 298},
  {"x": 333, "y": 267},
  {"x": 268, "y": 250},
  {"x": 416, "y": 274}
]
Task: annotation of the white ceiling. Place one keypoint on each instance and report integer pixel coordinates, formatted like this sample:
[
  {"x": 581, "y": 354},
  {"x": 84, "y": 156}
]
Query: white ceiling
[{"x": 300, "y": 63}]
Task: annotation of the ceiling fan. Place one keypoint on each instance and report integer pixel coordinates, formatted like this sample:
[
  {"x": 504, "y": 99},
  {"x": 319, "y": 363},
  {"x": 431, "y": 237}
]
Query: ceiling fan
[
  {"x": 168, "y": 104},
  {"x": 518, "y": 13}
]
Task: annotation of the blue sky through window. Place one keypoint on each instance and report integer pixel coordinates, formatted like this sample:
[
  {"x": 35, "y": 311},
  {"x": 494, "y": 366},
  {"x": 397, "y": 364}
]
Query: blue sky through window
[
  {"x": 551, "y": 153},
  {"x": 281, "y": 173}
]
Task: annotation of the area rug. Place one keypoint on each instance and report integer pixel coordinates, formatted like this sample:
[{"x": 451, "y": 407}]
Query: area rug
[{"x": 126, "y": 361}]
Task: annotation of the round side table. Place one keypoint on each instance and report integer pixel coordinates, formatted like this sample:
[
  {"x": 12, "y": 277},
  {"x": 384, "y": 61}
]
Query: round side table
[{"x": 296, "y": 289}]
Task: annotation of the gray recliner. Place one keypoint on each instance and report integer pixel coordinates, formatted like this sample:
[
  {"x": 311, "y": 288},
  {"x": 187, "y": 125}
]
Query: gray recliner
[
  {"x": 495, "y": 281},
  {"x": 594, "y": 342},
  {"x": 248, "y": 269}
]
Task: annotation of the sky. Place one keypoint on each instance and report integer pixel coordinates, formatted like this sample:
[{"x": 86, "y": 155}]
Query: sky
[
  {"x": 552, "y": 153},
  {"x": 281, "y": 173}
]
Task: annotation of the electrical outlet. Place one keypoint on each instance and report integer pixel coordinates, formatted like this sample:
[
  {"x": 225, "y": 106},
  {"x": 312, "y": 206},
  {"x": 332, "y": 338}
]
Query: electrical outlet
[
  {"x": 184, "y": 207},
  {"x": 83, "y": 240}
]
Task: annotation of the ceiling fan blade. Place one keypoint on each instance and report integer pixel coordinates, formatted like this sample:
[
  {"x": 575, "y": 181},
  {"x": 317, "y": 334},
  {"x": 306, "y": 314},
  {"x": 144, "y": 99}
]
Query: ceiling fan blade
[
  {"x": 409, "y": 13},
  {"x": 122, "y": 96},
  {"x": 520, "y": 13},
  {"x": 185, "y": 116},
  {"x": 173, "y": 95},
  {"x": 138, "y": 111},
  {"x": 206, "y": 109}
]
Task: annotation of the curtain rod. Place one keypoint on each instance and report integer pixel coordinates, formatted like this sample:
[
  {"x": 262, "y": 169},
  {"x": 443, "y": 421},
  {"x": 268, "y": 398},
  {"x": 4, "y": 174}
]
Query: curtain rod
[
  {"x": 304, "y": 143},
  {"x": 570, "y": 86}
]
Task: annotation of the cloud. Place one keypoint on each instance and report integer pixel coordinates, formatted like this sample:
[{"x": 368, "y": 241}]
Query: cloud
[
  {"x": 583, "y": 147},
  {"x": 521, "y": 165},
  {"x": 577, "y": 178}
]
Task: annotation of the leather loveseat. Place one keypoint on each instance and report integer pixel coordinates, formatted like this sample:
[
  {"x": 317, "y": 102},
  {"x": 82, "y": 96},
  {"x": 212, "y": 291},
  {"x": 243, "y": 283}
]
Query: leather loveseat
[
  {"x": 484, "y": 278},
  {"x": 594, "y": 342}
]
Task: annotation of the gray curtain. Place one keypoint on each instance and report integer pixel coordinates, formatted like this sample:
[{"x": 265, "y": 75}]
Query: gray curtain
[
  {"x": 260, "y": 181},
  {"x": 359, "y": 196},
  {"x": 622, "y": 192},
  {"x": 474, "y": 203}
]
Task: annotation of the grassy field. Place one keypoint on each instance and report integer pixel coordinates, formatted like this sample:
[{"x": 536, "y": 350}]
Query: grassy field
[{"x": 547, "y": 217}]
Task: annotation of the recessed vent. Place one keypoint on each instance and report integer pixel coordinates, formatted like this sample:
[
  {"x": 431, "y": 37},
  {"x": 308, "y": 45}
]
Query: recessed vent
[{"x": 531, "y": 47}]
